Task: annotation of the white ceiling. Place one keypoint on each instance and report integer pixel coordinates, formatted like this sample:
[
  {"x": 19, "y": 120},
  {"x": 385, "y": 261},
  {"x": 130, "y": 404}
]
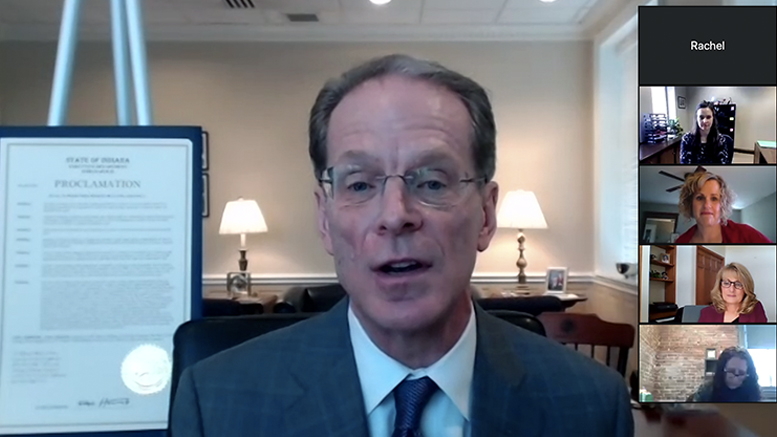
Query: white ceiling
[
  {"x": 750, "y": 183},
  {"x": 339, "y": 19}
]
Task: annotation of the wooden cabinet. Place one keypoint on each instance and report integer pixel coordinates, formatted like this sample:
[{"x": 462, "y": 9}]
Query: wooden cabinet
[
  {"x": 667, "y": 152},
  {"x": 662, "y": 289},
  {"x": 708, "y": 263}
]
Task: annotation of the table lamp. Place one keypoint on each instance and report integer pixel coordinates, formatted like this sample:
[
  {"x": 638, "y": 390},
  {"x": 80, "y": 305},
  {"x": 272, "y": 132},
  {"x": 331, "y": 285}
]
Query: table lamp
[
  {"x": 520, "y": 210},
  {"x": 242, "y": 217}
]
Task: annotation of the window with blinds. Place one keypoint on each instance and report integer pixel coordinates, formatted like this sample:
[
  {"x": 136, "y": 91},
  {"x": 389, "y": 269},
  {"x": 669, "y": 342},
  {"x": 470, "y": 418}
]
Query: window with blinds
[{"x": 761, "y": 342}]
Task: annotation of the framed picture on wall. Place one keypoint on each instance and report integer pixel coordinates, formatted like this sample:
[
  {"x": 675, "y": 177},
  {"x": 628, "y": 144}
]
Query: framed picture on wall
[
  {"x": 205, "y": 195},
  {"x": 556, "y": 280},
  {"x": 205, "y": 150},
  {"x": 680, "y": 102}
]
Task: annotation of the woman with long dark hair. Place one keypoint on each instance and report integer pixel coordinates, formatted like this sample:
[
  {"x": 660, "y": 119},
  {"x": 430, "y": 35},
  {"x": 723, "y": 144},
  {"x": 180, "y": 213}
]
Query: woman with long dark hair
[
  {"x": 735, "y": 379},
  {"x": 705, "y": 144}
]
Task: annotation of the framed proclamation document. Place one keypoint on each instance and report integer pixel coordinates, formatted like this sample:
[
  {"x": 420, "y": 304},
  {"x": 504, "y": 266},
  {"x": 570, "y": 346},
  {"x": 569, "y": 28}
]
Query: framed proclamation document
[{"x": 100, "y": 262}]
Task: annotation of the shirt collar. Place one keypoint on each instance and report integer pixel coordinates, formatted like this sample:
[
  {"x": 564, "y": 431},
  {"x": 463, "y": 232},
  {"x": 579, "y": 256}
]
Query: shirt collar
[{"x": 379, "y": 373}]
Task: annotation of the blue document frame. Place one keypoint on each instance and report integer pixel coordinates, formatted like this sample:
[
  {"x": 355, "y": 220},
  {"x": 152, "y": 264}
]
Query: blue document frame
[{"x": 89, "y": 167}]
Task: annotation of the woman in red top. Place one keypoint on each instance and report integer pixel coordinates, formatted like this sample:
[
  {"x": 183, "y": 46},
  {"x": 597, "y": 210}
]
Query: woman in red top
[
  {"x": 706, "y": 198},
  {"x": 733, "y": 298}
]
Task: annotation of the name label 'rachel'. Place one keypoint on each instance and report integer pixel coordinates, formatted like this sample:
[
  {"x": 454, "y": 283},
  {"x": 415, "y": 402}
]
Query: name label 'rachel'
[{"x": 708, "y": 46}]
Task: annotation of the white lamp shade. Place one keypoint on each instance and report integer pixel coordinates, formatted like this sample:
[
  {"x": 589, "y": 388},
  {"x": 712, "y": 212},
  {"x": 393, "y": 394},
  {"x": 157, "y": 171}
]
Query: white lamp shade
[
  {"x": 520, "y": 210},
  {"x": 242, "y": 217}
]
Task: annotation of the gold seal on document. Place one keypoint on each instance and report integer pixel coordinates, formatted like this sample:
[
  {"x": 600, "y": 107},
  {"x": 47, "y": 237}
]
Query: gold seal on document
[{"x": 146, "y": 370}]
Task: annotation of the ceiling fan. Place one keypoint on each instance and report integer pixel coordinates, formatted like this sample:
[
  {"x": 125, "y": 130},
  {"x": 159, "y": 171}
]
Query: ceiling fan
[{"x": 685, "y": 176}]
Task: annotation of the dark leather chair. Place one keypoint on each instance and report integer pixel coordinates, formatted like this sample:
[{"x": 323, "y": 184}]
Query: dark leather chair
[
  {"x": 307, "y": 299},
  {"x": 198, "y": 339},
  {"x": 534, "y": 305},
  {"x": 220, "y": 307},
  {"x": 523, "y": 320}
]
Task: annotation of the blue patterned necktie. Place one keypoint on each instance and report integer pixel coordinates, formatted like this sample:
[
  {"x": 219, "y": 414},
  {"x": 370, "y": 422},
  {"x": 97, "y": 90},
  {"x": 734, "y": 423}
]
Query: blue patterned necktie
[{"x": 410, "y": 398}]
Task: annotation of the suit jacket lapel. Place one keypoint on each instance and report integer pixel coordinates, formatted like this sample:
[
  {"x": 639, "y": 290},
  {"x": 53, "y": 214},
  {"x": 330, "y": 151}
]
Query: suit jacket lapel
[
  {"x": 501, "y": 403},
  {"x": 330, "y": 401}
]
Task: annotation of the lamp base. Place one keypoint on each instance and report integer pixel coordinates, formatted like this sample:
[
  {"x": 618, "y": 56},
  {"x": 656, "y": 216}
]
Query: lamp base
[
  {"x": 243, "y": 261},
  {"x": 521, "y": 263}
]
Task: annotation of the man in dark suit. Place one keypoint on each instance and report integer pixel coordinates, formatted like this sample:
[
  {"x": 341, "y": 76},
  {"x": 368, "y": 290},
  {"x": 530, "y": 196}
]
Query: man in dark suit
[{"x": 404, "y": 152}]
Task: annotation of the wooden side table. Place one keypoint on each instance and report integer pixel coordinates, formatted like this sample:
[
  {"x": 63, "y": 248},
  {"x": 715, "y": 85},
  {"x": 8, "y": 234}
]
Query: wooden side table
[
  {"x": 265, "y": 301},
  {"x": 572, "y": 296}
]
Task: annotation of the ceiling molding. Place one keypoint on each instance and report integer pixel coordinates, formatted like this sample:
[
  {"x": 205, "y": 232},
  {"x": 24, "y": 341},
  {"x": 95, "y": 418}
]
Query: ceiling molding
[
  {"x": 606, "y": 14},
  {"x": 318, "y": 33},
  {"x": 610, "y": 17}
]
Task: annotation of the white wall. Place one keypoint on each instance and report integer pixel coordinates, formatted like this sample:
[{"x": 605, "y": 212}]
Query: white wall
[
  {"x": 644, "y": 286},
  {"x": 254, "y": 99},
  {"x": 614, "y": 166},
  {"x": 756, "y": 117},
  {"x": 761, "y": 216},
  {"x": 683, "y": 114},
  {"x": 645, "y": 100},
  {"x": 685, "y": 276},
  {"x": 761, "y": 261}
]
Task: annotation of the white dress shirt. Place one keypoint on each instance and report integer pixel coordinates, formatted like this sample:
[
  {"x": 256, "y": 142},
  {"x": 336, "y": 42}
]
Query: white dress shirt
[{"x": 448, "y": 412}]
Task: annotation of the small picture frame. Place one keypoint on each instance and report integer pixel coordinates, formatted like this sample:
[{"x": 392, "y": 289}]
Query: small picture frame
[
  {"x": 556, "y": 280},
  {"x": 680, "y": 102},
  {"x": 665, "y": 258},
  {"x": 238, "y": 284},
  {"x": 205, "y": 195},
  {"x": 205, "y": 151},
  {"x": 712, "y": 354}
]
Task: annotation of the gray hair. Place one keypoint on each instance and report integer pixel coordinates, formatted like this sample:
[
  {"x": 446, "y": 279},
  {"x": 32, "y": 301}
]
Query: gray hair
[{"x": 471, "y": 94}]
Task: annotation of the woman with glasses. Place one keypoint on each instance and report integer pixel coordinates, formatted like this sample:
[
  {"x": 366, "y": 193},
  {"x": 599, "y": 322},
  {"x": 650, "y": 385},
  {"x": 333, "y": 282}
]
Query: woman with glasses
[
  {"x": 733, "y": 298},
  {"x": 707, "y": 199},
  {"x": 735, "y": 379}
]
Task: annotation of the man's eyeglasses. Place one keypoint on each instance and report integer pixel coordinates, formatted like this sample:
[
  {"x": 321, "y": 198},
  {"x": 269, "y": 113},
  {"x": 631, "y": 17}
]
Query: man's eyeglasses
[
  {"x": 735, "y": 372},
  {"x": 350, "y": 185},
  {"x": 727, "y": 284}
]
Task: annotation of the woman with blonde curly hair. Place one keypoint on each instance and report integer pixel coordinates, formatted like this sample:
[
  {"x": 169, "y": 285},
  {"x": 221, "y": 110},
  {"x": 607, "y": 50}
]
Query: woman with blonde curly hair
[
  {"x": 733, "y": 298},
  {"x": 706, "y": 198}
]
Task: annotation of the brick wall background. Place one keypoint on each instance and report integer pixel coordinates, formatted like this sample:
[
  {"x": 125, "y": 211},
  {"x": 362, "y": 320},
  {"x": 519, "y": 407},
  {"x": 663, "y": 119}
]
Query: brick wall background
[
  {"x": 648, "y": 346},
  {"x": 672, "y": 357}
]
